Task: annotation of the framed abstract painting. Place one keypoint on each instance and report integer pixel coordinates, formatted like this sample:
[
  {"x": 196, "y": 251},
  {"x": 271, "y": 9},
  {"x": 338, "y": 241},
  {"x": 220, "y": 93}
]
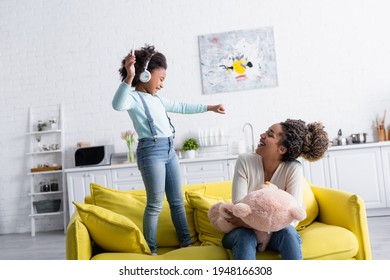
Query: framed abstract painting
[{"x": 238, "y": 60}]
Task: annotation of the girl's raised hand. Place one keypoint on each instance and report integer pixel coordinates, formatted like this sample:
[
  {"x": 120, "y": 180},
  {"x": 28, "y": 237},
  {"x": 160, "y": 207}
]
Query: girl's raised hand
[{"x": 129, "y": 65}]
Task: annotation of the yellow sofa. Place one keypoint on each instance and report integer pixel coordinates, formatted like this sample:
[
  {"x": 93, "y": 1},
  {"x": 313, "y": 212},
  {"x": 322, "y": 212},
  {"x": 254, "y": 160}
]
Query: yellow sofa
[{"x": 108, "y": 226}]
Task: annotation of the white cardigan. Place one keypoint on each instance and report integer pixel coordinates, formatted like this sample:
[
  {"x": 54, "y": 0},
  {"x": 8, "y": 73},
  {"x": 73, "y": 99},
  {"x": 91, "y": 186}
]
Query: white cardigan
[{"x": 249, "y": 176}]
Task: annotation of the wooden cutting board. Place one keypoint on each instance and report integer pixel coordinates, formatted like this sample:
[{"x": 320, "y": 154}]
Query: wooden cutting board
[{"x": 43, "y": 169}]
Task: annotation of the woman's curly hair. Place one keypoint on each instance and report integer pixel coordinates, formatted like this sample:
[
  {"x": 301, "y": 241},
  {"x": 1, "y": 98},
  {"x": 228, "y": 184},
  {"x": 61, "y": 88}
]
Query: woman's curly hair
[
  {"x": 309, "y": 141},
  {"x": 157, "y": 60}
]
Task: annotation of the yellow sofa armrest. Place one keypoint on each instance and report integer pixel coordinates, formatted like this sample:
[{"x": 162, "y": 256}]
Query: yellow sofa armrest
[
  {"x": 78, "y": 240},
  {"x": 347, "y": 210}
]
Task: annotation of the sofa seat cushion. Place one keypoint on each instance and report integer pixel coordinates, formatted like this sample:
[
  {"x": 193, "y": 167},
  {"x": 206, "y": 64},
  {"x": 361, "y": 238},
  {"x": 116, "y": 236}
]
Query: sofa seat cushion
[
  {"x": 131, "y": 204},
  {"x": 188, "y": 253},
  {"x": 266, "y": 255},
  {"x": 328, "y": 242}
]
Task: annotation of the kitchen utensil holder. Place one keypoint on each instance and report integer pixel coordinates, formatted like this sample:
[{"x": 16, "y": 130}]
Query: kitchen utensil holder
[{"x": 381, "y": 135}]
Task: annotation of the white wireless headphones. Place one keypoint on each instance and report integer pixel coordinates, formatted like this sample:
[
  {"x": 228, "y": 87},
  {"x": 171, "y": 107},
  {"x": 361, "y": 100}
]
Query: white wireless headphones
[{"x": 146, "y": 75}]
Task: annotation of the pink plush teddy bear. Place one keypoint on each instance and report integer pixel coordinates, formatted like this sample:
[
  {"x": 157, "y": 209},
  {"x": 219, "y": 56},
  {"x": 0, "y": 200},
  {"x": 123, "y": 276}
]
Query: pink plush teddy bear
[{"x": 265, "y": 210}]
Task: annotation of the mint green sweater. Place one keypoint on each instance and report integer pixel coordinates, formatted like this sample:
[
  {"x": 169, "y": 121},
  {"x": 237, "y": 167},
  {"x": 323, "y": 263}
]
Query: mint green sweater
[{"x": 126, "y": 98}]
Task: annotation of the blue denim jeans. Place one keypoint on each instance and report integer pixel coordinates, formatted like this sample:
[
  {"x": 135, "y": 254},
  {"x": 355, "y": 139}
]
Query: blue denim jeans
[
  {"x": 160, "y": 170},
  {"x": 243, "y": 243}
]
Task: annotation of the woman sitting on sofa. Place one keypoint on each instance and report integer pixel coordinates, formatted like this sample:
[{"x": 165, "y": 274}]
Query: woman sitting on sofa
[{"x": 275, "y": 160}]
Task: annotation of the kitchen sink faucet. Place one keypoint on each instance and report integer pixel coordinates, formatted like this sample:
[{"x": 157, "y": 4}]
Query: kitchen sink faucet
[{"x": 251, "y": 127}]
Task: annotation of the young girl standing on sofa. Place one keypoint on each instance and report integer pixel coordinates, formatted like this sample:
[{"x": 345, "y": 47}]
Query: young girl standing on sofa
[
  {"x": 145, "y": 70},
  {"x": 275, "y": 161}
]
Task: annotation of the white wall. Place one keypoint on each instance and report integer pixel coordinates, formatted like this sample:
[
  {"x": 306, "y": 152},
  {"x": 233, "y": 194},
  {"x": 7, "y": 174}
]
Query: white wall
[{"x": 332, "y": 58}]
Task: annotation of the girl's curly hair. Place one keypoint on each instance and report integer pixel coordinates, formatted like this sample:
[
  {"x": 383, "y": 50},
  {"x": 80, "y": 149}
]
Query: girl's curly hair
[
  {"x": 309, "y": 141},
  {"x": 157, "y": 60}
]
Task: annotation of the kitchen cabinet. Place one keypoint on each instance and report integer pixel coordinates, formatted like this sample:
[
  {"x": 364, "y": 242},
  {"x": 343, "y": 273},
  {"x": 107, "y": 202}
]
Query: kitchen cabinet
[
  {"x": 386, "y": 172},
  {"x": 46, "y": 159},
  {"x": 127, "y": 178},
  {"x": 363, "y": 169},
  {"x": 317, "y": 172},
  {"x": 204, "y": 171},
  {"x": 359, "y": 171},
  {"x": 78, "y": 184},
  {"x": 231, "y": 166}
]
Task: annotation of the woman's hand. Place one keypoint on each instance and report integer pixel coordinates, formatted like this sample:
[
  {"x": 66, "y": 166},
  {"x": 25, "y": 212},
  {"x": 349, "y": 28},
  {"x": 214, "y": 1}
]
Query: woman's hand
[
  {"x": 129, "y": 65},
  {"x": 216, "y": 108}
]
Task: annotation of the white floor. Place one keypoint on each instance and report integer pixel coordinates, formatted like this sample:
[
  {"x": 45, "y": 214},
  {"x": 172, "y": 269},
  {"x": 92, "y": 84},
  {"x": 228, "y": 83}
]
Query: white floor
[
  {"x": 379, "y": 228},
  {"x": 51, "y": 245},
  {"x": 44, "y": 246}
]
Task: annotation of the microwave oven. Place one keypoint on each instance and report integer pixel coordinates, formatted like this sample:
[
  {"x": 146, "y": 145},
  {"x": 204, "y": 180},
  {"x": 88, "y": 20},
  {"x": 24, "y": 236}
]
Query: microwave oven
[{"x": 94, "y": 155}]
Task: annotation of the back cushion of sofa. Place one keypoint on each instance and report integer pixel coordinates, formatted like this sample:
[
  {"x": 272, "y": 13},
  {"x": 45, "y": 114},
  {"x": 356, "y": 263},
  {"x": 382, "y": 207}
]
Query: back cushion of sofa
[
  {"x": 211, "y": 188},
  {"x": 208, "y": 235},
  {"x": 131, "y": 204},
  {"x": 219, "y": 188},
  {"x": 311, "y": 205},
  {"x": 124, "y": 235}
]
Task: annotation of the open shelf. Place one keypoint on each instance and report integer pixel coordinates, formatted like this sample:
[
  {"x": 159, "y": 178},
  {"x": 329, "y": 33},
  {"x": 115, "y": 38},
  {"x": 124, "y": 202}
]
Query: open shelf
[{"x": 46, "y": 155}]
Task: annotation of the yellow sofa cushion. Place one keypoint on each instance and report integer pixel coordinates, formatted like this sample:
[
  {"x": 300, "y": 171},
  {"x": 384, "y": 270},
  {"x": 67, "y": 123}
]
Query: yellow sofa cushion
[
  {"x": 131, "y": 204},
  {"x": 217, "y": 188},
  {"x": 78, "y": 244},
  {"x": 111, "y": 231},
  {"x": 328, "y": 242},
  {"x": 311, "y": 205},
  {"x": 201, "y": 203}
]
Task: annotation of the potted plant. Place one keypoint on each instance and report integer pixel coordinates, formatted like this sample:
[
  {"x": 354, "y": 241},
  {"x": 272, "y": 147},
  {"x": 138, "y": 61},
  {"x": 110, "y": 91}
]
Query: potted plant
[{"x": 189, "y": 147}]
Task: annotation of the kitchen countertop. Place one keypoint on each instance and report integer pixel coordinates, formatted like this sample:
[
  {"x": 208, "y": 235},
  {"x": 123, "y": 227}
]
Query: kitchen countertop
[
  {"x": 360, "y": 146},
  {"x": 223, "y": 157},
  {"x": 125, "y": 165}
]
